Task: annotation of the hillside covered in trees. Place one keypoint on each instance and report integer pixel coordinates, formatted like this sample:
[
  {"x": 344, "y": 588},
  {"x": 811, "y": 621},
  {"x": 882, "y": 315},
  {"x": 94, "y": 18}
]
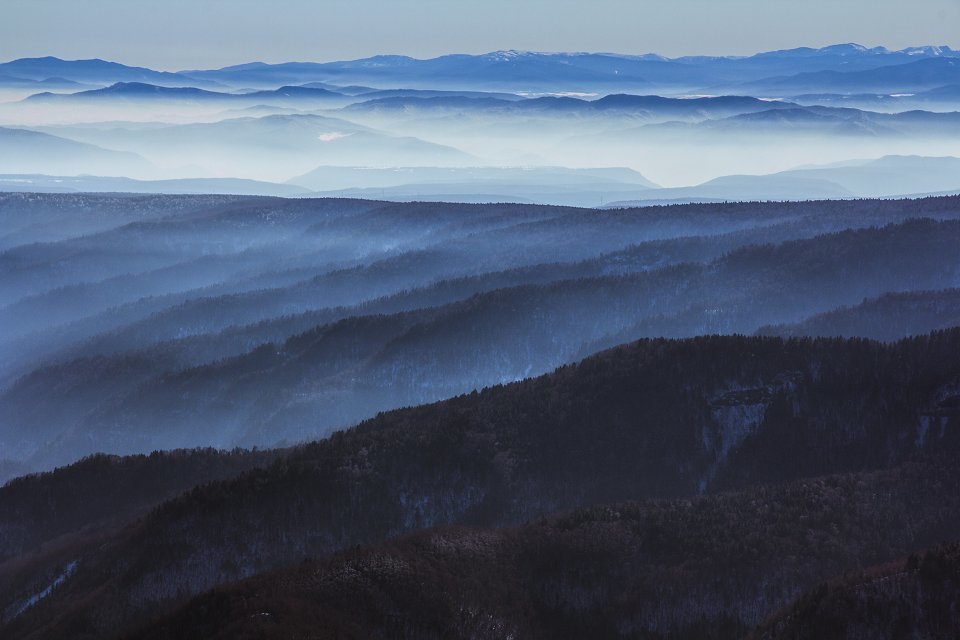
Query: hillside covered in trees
[
  {"x": 479, "y": 346},
  {"x": 915, "y": 597},
  {"x": 135, "y": 323},
  {"x": 744, "y": 453},
  {"x": 696, "y": 568}
]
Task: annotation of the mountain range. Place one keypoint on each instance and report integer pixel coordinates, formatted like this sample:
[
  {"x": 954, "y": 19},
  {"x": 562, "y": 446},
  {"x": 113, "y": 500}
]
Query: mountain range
[
  {"x": 577, "y": 71},
  {"x": 511, "y": 345},
  {"x": 697, "y": 124},
  {"x": 224, "y": 320},
  {"x": 28, "y": 151},
  {"x": 510, "y": 69},
  {"x": 735, "y": 464}
]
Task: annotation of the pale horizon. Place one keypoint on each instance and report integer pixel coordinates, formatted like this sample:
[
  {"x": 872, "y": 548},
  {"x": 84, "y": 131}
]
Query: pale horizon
[{"x": 213, "y": 33}]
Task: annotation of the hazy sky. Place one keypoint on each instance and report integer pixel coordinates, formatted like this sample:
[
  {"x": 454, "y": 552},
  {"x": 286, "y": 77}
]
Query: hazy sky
[{"x": 176, "y": 34}]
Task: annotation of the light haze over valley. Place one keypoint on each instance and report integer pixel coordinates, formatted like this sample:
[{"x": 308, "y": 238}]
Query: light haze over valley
[{"x": 578, "y": 129}]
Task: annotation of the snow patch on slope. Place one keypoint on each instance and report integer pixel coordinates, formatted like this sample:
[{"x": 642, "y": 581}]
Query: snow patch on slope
[{"x": 40, "y": 595}]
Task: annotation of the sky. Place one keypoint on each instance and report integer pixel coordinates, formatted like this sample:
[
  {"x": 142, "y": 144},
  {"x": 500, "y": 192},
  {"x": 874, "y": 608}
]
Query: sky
[{"x": 189, "y": 34}]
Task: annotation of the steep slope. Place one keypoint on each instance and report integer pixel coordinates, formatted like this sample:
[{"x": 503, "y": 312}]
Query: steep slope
[
  {"x": 700, "y": 568},
  {"x": 912, "y": 598},
  {"x": 653, "y": 419},
  {"x": 106, "y": 490}
]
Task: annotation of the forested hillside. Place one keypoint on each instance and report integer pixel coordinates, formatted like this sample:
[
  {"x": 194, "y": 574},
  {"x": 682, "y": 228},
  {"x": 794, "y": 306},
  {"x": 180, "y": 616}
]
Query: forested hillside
[
  {"x": 657, "y": 419},
  {"x": 479, "y": 346},
  {"x": 889, "y": 317},
  {"x": 184, "y": 321},
  {"x": 915, "y": 597},
  {"x": 685, "y": 569}
]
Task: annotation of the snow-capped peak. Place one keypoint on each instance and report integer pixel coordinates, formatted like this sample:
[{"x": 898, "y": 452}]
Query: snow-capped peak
[
  {"x": 508, "y": 55},
  {"x": 931, "y": 51}
]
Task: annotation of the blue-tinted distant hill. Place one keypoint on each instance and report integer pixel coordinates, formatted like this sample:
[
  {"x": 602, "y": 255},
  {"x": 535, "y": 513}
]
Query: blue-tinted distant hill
[
  {"x": 786, "y": 120},
  {"x": 331, "y": 177},
  {"x": 646, "y": 107},
  {"x": 37, "y": 183},
  {"x": 945, "y": 98},
  {"x": 94, "y": 71},
  {"x": 428, "y": 93},
  {"x": 844, "y": 121},
  {"x": 918, "y": 75},
  {"x": 850, "y": 122},
  {"x": 142, "y": 92},
  {"x": 61, "y": 84},
  {"x": 499, "y": 69},
  {"x": 883, "y": 177},
  {"x": 543, "y": 185},
  {"x": 271, "y": 148},
  {"x": 744, "y": 188},
  {"x": 25, "y": 151},
  {"x": 949, "y": 92},
  {"x": 510, "y": 71},
  {"x": 532, "y": 71},
  {"x": 890, "y": 175}
]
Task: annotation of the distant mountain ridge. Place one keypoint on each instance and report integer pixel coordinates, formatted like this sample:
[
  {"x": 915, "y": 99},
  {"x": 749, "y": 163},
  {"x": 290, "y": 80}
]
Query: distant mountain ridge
[
  {"x": 507, "y": 68},
  {"x": 917, "y": 75},
  {"x": 94, "y": 71},
  {"x": 888, "y": 176},
  {"x": 93, "y": 184},
  {"x": 142, "y": 90},
  {"x": 511, "y": 68},
  {"x": 33, "y": 151}
]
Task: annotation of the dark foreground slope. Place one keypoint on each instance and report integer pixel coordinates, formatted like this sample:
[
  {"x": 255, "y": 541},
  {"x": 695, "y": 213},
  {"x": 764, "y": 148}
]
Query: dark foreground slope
[
  {"x": 911, "y": 598},
  {"x": 654, "y": 419},
  {"x": 104, "y": 490},
  {"x": 696, "y": 568}
]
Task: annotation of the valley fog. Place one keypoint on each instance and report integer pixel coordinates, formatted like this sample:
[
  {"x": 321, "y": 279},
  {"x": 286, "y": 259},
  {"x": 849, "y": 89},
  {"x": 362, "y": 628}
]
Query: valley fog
[
  {"x": 504, "y": 345},
  {"x": 680, "y": 124},
  {"x": 179, "y": 321}
]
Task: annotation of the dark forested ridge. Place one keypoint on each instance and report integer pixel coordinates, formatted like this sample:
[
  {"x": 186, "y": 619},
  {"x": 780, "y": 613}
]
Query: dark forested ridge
[
  {"x": 102, "y": 490},
  {"x": 742, "y": 471},
  {"x": 184, "y": 321},
  {"x": 915, "y": 597},
  {"x": 889, "y": 317},
  {"x": 657, "y": 419},
  {"x": 685, "y": 569}
]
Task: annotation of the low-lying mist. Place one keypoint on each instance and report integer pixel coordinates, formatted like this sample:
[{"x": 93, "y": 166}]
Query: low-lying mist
[
  {"x": 277, "y": 138},
  {"x": 323, "y": 270},
  {"x": 176, "y": 321}
]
